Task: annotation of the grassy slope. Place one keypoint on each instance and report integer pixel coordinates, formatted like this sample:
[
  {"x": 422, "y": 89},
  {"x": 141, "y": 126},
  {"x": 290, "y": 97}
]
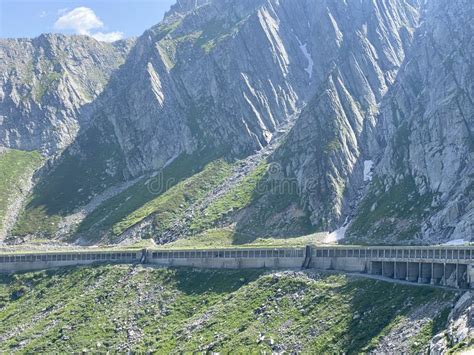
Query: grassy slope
[
  {"x": 237, "y": 198},
  {"x": 389, "y": 216},
  {"x": 73, "y": 182},
  {"x": 126, "y": 307},
  {"x": 15, "y": 166},
  {"x": 228, "y": 237},
  {"x": 171, "y": 205}
]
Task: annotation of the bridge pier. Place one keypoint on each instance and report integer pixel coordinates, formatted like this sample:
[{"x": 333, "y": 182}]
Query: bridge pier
[
  {"x": 400, "y": 270},
  {"x": 437, "y": 274},
  {"x": 375, "y": 268},
  {"x": 425, "y": 273},
  {"x": 388, "y": 269},
  {"x": 413, "y": 272}
]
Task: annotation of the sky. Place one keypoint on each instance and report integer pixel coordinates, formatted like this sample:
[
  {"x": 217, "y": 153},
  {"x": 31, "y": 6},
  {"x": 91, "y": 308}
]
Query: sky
[{"x": 105, "y": 20}]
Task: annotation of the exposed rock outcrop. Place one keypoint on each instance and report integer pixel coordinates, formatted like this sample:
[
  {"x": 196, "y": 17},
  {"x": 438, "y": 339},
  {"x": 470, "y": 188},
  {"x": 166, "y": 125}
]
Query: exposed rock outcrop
[
  {"x": 46, "y": 85},
  {"x": 364, "y": 46},
  {"x": 460, "y": 328},
  {"x": 384, "y": 138},
  {"x": 424, "y": 180}
]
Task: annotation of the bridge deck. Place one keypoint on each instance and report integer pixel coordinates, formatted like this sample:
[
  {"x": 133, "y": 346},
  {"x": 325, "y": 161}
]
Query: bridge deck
[{"x": 444, "y": 265}]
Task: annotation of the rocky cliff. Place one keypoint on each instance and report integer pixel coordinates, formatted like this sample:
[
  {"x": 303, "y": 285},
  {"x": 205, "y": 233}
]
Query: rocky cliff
[
  {"x": 376, "y": 96},
  {"x": 47, "y": 84},
  {"x": 326, "y": 150},
  {"x": 423, "y": 185}
]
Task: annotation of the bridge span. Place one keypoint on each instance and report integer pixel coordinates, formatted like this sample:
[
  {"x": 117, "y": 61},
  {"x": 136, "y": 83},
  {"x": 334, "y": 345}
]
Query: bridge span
[{"x": 451, "y": 266}]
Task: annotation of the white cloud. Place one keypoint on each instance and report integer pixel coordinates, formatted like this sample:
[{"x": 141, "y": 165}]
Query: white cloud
[
  {"x": 43, "y": 14},
  {"x": 108, "y": 37},
  {"x": 83, "y": 20}
]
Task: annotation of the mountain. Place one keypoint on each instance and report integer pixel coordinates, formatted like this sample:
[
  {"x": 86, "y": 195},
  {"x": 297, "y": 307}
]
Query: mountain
[
  {"x": 325, "y": 152},
  {"x": 265, "y": 118},
  {"x": 423, "y": 187},
  {"x": 47, "y": 85}
]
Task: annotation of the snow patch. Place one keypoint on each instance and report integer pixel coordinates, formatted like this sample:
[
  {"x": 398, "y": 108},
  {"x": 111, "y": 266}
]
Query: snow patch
[
  {"x": 368, "y": 166},
  {"x": 456, "y": 242},
  {"x": 304, "y": 49}
]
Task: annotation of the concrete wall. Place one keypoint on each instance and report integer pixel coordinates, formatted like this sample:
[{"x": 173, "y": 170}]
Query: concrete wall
[
  {"x": 436, "y": 265},
  {"x": 230, "y": 258},
  {"x": 350, "y": 264},
  {"x": 29, "y": 262},
  {"x": 231, "y": 263},
  {"x": 446, "y": 274}
]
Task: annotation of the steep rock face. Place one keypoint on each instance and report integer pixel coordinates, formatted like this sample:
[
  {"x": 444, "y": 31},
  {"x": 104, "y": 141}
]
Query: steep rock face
[
  {"x": 220, "y": 77},
  {"x": 45, "y": 85},
  {"x": 425, "y": 174},
  {"x": 213, "y": 79},
  {"x": 325, "y": 152},
  {"x": 368, "y": 87}
]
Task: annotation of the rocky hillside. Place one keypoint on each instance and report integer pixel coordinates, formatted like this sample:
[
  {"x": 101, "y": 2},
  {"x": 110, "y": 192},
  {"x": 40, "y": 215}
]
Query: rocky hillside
[
  {"x": 271, "y": 118},
  {"x": 47, "y": 84},
  {"x": 424, "y": 177},
  {"x": 325, "y": 152},
  {"x": 143, "y": 309},
  {"x": 16, "y": 171}
]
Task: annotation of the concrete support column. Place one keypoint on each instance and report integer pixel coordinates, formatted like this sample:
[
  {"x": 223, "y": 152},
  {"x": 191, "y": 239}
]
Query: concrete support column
[
  {"x": 376, "y": 267},
  {"x": 443, "y": 278},
  {"x": 425, "y": 273},
  {"x": 401, "y": 270},
  {"x": 457, "y": 275},
  {"x": 389, "y": 267},
  {"x": 412, "y": 272},
  {"x": 437, "y": 275},
  {"x": 432, "y": 274}
]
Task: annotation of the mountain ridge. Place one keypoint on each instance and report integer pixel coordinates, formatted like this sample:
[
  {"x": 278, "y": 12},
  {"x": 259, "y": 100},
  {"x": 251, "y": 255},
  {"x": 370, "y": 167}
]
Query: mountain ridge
[{"x": 218, "y": 79}]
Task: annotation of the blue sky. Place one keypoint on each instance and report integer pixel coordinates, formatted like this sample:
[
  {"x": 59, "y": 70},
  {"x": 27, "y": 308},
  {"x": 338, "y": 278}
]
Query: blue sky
[{"x": 103, "y": 19}]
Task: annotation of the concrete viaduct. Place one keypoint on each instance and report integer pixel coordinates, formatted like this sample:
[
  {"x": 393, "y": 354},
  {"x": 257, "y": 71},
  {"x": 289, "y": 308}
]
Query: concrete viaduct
[{"x": 451, "y": 266}]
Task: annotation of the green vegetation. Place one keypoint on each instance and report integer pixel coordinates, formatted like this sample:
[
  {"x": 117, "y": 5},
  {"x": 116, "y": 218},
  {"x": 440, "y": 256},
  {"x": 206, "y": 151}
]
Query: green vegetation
[
  {"x": 36, "y": 221},
  {"x": 165, "y": 28},
  {"x": 143, "y": 309},
  {"x": 237, "y": 198},
  {"x": 433, "y": 327},
  {"x": 163, "y": 193},
  {"x": 276, "y": 211},
  {"x": 72, "y": 183},
  {"x": 216, "y": 31},
  {"x": 47, "y": 79},
  {"x": 45, "y": 84},
  {"x": 171, "y": 205},
  {"x": 228, "y": 237},
  {"x": 396, "y": 212},
  {"x": 463, "y": 347},
  {"x": 15, "y": 166}
]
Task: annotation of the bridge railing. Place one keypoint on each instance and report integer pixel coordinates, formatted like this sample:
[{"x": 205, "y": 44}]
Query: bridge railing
[
  {"x": 228, "y": 253},
  {"x": 451, "y": 254}
]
